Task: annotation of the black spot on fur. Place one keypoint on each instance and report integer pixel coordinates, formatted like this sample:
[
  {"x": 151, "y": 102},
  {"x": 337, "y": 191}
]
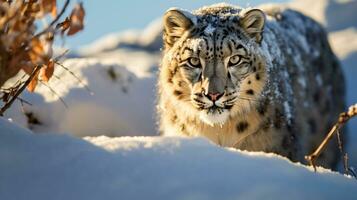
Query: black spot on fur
[
  {"x": 326, "y": 107},
  {"x": 263, "y": 106},
  {"x": 250, "y": 92},
  {"x": 182, "y": 127},
  {"x": 177, "y": 93},
  {"x": 285, "y": 142},
  {"x": 312, "y": 125},
  {"x": 180, "y": 83},
  {"x": 279, "y": 119},
  {"x": 267, "y": 124},
  {"x": 257, "y": 76},
  {"x": 290, "y": 127},
  {"x": 249, "y": 82},
  {"x": 316, "y": 97},
  {"x": 254, "y": 69},
  {"x": 174, "y": 118},
  {"x": 242, "y": 126}
]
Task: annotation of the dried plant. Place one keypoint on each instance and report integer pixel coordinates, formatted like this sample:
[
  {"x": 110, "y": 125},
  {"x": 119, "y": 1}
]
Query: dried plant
[
  {"x": 24, "y": 47},
  {"x": 343, "y": 118}
]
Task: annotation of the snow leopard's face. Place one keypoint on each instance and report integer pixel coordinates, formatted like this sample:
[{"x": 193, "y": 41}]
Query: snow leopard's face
[{"x": 214, "y": 61}]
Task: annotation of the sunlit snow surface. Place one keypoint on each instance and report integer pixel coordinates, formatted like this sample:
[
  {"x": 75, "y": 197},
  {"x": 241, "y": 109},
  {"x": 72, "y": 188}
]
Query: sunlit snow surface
[
  {"x": 52, "y": 166},
  {"x": 120, "y": 71}
]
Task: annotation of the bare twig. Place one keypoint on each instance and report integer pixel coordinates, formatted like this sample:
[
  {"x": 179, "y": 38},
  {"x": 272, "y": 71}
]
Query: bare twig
[
  {"x": 343, "y": 154},
  {"x": 22, "y": 101},
  {"x": 76, "y": 77},
  {"x": 54, "y": 92},
  {"x": 19, "y": 91},
  {"x": 54, "y": 20},
  {"x": 343, "y": 118}
]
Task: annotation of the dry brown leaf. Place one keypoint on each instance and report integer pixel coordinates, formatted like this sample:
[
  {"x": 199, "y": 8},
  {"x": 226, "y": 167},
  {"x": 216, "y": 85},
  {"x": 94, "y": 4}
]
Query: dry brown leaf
[
  {"x": 32, "y": 86},
  {"x": 54, "y": 11},
  {"x": 46, "y": 71},
  {"x": 24, "y": 47},
  {"x": 13, "y": 65},
  {"x": 64, "y": 25},
  {"x": 48, "y": 6},
  {"x": 36, "y": 51},
  {"x": 77, "y": 19},
  {"x": 27, "y": 69}
]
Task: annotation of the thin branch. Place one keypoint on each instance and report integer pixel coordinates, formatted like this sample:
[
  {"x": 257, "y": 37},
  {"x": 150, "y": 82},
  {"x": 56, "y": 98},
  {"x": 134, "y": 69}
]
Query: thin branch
[
  {"x": 55, "y": 20},
  {"x": 76, "y": 77},
  {"x": 61, "y": 55},
  {"x": 19, "y": 91},
  {"x": 343, "y": 118},
  {"x": 24, "y": 101},
  {"x": 54, "y": 92}
]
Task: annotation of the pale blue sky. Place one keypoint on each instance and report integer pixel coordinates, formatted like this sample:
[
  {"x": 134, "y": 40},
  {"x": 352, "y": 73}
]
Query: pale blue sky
[{"x": 108, "y": 16}]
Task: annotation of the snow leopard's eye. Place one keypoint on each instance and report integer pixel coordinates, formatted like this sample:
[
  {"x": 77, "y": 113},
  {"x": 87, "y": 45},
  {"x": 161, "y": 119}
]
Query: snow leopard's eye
[
  {"x": 234, "y": 60},
  {"x": 194, "y": 62}
]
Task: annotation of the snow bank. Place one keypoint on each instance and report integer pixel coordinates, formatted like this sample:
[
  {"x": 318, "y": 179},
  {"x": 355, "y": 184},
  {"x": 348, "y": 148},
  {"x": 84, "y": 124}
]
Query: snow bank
[
  {"x": 125, "y": 106},
  {"x": 46, "y": 166},
  {"x": 148, "y": 39},
  {"x": 333, "y": 14},
  {"x": 122, "y": 102}
]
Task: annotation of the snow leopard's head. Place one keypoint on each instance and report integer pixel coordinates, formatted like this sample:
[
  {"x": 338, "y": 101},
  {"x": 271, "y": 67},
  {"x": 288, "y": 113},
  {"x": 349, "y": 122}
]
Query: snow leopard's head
[{"x": 212, "y": 60}]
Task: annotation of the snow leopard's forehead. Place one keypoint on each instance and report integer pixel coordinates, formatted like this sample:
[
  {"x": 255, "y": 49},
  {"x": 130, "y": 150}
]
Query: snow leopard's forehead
[
  {"x": 219, "y": 18},
  {"x": 218, "y": 10}
]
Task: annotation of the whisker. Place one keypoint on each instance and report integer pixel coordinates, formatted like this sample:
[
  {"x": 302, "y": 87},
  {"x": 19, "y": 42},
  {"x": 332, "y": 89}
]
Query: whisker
[
  {"x": 232, "y": 99},
  {"x": 248, "y": 99}
]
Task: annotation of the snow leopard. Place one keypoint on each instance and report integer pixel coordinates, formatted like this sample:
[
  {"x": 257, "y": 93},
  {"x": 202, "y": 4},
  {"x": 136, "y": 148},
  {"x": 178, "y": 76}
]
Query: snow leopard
[{"x": 255, "y": 79}]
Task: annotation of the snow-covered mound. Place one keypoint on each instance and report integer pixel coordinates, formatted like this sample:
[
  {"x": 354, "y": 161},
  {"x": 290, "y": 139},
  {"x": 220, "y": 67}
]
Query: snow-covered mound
[
  {"x": 46, "y": 166},
  {"x": 125, "y": 104},
  {"x": 122, "y": 102},
  {"x": 333, "y": 14},
  {"x": 148, "y": 39}
]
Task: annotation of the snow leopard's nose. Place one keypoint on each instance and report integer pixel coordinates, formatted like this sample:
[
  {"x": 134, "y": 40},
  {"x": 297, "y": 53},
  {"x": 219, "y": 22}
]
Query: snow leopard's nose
[{"x": 214, "y": 96}]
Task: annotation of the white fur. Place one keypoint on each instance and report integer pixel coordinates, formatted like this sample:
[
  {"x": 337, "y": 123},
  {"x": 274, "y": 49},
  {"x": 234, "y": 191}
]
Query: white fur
[{"x": 214, "y": 119}]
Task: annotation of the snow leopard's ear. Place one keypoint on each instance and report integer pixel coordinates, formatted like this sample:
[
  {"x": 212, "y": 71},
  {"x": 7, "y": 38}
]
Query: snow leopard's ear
[
  {"x": 176, "y": 23},
  {"x": 253, "y": 24}
]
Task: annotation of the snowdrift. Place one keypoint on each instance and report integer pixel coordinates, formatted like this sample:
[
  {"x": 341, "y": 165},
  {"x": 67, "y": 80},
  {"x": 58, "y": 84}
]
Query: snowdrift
[
  {"x": 52, "y": 166},
  {"x": 120, "y": 71}
]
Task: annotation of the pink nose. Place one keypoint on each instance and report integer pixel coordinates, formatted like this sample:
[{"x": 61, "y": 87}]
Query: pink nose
[{"x": 214, "y": 96}]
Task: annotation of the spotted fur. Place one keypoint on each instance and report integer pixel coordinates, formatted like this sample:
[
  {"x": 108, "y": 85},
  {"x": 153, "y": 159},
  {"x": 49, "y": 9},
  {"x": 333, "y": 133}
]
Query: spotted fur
[{"x": 257, "y": 80}]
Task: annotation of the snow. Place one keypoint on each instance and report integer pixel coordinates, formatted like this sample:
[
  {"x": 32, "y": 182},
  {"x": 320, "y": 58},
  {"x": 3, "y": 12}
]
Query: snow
[
  {"x": 148, "y": 39},
  {"x": 116, "y": 108},
  {"x": 318, "y": 80},
  {"x": 333, "y": 14},
  {"x": 344, "y": 42},
  {"x": 287, "y": 110},
  {"x": 52, "y": 166},
  {"x": 120, "y": 69},
  {"x": 209, "y": 29},
  {"x": 196, "y": 43}
]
